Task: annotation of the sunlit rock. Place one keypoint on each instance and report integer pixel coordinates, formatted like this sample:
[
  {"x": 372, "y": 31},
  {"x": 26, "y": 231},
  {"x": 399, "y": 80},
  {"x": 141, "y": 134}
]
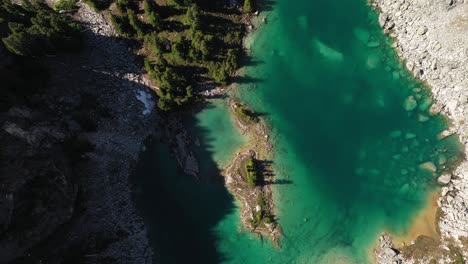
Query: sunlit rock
[
  {"x": 444, "y": 179},
  {"x": 445, "y": 134}
]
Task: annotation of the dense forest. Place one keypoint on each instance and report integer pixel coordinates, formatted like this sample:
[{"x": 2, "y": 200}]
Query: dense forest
[{"x": 187, "y": 45}]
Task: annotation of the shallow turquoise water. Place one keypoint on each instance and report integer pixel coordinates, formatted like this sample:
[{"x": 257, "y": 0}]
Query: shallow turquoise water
[
  {"x": 334, "y": 94},
  {"x": 220, "y": 137}
]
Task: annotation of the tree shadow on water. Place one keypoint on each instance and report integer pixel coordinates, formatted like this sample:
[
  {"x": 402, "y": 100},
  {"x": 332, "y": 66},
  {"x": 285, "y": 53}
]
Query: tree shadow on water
[
  {"x": 181, "y": 212},
  {"x": 246, "y": 79}
]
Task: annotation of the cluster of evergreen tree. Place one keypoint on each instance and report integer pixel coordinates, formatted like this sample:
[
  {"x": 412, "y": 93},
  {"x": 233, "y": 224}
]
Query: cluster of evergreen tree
[
  {"x": 183, "y": 47},
  {"x": 33, "y": 29}
]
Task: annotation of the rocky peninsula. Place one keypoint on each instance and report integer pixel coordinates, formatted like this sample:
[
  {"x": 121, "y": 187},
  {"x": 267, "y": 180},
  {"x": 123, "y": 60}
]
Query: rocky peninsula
[
  {"x": 250, "y": 174},
  {"x": 431, "y": 37}
]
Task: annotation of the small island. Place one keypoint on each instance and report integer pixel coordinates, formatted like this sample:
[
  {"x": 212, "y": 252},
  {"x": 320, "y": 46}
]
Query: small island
[{"x": 250, "y": 174}]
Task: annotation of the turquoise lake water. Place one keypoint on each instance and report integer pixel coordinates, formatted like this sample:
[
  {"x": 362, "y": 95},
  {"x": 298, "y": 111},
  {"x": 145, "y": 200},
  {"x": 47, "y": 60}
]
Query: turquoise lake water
[{"x": 350, "y": 128}]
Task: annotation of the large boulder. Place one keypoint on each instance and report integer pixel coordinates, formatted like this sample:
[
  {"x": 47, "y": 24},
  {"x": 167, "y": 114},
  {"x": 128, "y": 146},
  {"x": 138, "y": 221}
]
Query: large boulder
[
  {"x": 383, "y": 19},
  {"x": 444, "y": 179}
]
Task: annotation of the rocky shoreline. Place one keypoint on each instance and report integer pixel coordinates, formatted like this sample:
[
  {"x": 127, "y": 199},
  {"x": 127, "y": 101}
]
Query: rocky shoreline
[{"x": 431, "y": 37}]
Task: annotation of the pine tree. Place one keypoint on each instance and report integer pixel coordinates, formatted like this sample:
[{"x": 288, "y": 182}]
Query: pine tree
[{"x": 247, "y": 6}]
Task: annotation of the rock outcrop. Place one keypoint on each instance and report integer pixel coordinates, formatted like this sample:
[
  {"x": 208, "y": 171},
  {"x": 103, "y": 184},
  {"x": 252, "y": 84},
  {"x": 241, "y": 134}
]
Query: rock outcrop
[{"x": 386, "y": 252}]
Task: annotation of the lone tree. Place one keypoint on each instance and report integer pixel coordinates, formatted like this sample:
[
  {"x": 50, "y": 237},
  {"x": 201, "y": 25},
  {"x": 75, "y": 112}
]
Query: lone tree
[{"x": 248, "y": 6}]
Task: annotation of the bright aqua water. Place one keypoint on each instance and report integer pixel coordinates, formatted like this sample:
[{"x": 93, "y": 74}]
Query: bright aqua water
[
  {"x": 334, "y": 94},
  {"x": 217, "y": 130}
]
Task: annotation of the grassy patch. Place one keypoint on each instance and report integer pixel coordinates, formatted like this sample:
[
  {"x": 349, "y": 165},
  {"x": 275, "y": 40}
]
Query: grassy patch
[{"x": 261, "y": 216}]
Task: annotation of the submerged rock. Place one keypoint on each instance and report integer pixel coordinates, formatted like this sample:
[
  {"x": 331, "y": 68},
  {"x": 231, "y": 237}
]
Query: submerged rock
[
  {"x": 442, "y": 159},
  {"x": 410, "y": 103},
  {"x": 430, "y": 166},
  {"x": 445, "y": 134},
  {"x": 395, "y": 134},
  {"x": 422, "y": 118},
  {"x": 425, "y": 104},
  {"x": 373, "y": 44},
  {"x": 410, "y": 136}
]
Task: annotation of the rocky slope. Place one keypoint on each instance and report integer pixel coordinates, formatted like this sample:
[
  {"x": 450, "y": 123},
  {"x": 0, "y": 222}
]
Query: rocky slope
[
  {"x": 64, "y": 208},
  {"x": 432, "y": 38}
]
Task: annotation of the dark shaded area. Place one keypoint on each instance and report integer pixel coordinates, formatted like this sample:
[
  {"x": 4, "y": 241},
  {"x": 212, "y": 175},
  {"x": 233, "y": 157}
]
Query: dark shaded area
[
  {"x": 246, "y": 79},
  {"x": 182, "y": 212},
  {"x": 249, "y": 61},
  {"x": 58, "y": 211},
  {"x": 265, "y": 168},
  {"x": 264, "y": 5},
  {"x": 281, "y": 182}
]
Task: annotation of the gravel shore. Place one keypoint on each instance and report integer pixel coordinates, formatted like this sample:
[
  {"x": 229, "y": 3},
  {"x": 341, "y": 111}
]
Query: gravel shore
[{"x": 432, "y": 38}]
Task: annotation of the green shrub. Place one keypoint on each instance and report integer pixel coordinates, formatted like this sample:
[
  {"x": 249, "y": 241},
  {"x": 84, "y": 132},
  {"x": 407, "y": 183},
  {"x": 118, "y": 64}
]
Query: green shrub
[
  {"x": 151, "y": 13},
  {"x": 16, "y": 28},
  {"x": 248, "y": 6},
  {"x": 165, "y": 103},
  {"x": 233, "y": 38},
  {"x": 268, "y": 219},
  {"x": 251, "y": 172},
  {"x": 258, "y": 216},
  {"x": 65, "y": 5},
  {"x": 201, "y": 43},
  {"x": 232, "y": 60},
  {"x": 122, "y": 5},
  {"x": 23, "y": 44},
  {"x": 192, "y": 17},
  {"x": 153, "y": 44},
  {"x": 218, "y": 73},
  {"x": 135, "y": 23},
  {"x": 245, "y": 114}
]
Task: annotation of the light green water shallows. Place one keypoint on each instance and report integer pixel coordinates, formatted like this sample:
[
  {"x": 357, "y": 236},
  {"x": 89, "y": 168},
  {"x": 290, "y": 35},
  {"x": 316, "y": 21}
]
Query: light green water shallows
[
  {"x": 216, "y": 126},
  {"x": 350, "y": 129}
]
